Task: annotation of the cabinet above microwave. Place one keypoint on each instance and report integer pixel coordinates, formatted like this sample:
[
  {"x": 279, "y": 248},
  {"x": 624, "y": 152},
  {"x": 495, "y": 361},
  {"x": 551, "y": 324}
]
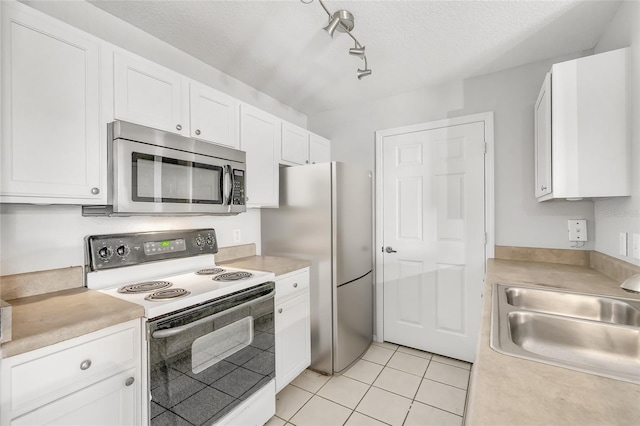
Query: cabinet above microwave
[{"x": 582, "y": 145}]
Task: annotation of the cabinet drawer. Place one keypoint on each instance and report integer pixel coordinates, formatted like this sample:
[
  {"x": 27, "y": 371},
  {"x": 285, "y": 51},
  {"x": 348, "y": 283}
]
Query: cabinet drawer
[
  {"x": 291, "y": 286},
  {"x": 38, "y": 379}
]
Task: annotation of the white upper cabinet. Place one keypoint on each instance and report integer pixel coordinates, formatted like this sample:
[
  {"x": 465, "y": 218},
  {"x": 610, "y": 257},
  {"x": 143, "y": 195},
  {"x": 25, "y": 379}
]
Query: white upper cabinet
[
  {"x": 319, "y": 149},
  {"x": 295, "y": 145},
  {"x": 543, "y": 139},
  {"x": 300, "y": 146},
  {"x": 260, "y": 135},
  {"x": 149, "y": 94},
  {"x": 214, "y": 115},
  {"x": 53, "y": 144},
  {"x": 588, "y": 118}
]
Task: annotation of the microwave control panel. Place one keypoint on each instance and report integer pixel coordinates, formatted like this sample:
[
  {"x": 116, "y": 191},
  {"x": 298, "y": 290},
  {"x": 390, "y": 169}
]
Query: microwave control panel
[{"x": 237, "y": 195}]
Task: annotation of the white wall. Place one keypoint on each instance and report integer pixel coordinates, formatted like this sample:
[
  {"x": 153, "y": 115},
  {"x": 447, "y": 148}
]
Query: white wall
[
  {"x": 35, "y": 238},
  {"x": 511, "y": 94},
  {"x": 623, "y": 214}
]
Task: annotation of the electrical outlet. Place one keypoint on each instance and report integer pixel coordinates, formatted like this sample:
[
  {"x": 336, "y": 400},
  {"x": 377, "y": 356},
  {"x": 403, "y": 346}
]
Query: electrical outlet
[
  {"x": 623, "y": 244},
  {"x": 578, "y": 230},
  {"x": 237, "y": 236},
  {"x": 635, "y": 246}
]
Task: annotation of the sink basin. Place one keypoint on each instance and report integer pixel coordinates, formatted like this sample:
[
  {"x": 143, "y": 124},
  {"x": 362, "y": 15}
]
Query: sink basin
[
  {"x": 597, "y": 335},
  {"x": 575, "y": 305}
]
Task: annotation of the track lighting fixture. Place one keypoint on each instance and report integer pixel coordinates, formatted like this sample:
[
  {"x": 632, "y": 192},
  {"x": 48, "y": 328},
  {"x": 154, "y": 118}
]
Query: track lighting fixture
[{"x": 343, "y": 21}]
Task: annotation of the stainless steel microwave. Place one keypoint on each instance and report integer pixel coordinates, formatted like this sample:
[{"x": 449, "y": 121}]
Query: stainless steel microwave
[{"x": 153, "y": 172}]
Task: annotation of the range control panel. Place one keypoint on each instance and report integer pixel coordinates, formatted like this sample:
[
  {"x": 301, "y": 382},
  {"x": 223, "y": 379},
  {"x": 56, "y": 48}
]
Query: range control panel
[{"x": 117, "y": 250}]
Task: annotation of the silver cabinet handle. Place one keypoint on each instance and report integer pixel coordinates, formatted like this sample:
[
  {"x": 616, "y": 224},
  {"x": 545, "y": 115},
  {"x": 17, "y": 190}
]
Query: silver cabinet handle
[
  {"x": 306, "y": 161},
  {"x": 197, "y": 132},
  {"x": 295, "y": 285},
  {"x": 95, "y": 191},
  {"x": 390, "y": 249},
  {"x": 84, "y": 365},
  {"x": 129, "y": 381},
  {"x": 178, "y": 127},
  {"x": 280, "y": 310},
  {"x": 543, "y": 188}
]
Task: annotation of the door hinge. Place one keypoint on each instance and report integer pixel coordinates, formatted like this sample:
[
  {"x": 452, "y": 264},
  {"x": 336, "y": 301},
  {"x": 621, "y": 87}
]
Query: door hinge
[{"x": 485, "y": 238}]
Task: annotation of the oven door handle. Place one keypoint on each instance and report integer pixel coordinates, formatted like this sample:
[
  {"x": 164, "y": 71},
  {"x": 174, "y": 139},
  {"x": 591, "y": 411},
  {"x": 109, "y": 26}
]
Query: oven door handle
[
  {"x": 169, "y": 332},
  {"x": 227, "y": 185}
]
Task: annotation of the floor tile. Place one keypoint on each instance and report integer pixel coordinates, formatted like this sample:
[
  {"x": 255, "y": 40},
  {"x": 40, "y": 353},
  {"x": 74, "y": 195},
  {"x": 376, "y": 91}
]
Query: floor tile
[
  {"x": 399, "y": 382},
  {"x": 170, "y": 419},
  {"x": 358, "y": 419},
  {"x": 448, "y": 374},
  {"x": 344, "y": 391},
  {"x": 275, "y": 421},
  {"x": 442, "y": 396},
  {"x": 409, "y": 363},
  {"x": 425, "y": 415},
  {"x": 237, "y": 382},
  {"x": 176, "y": 391},
  {"x": 289, "y": 400},
  {"x": 310, "y": 381},
  {"x": 415, "y": 352},
  {"x": 451, "y": 361},
  {"x": 384, "y": 406},
  {"x": 364, "y": 371},
  {"x": 378, "y": 354},
  {"x": 208, "y": 405},
  {"x": 386, "y": 345},
  {"x": 321, "y": 412}
]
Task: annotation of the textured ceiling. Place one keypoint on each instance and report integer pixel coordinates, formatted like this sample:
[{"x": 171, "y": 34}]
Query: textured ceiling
[{"x": 279, "y": 47}]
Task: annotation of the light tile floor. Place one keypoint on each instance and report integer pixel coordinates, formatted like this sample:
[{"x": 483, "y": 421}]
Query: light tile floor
[{"x": 390, "y": 385}]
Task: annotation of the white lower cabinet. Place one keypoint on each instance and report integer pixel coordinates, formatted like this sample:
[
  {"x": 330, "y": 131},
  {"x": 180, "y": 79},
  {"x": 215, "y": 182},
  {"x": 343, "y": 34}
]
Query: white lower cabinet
[
  {"x": 292, "y": 326},
  {"x": 92, "y": 379}
]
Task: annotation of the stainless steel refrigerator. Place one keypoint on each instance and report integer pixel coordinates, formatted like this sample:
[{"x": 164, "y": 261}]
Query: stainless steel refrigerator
[{"x": 325, "y": 216}]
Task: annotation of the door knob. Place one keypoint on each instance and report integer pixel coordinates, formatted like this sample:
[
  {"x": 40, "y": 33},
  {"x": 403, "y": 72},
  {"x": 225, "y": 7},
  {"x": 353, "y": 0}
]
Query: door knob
[{"x": 390, "y": 249}]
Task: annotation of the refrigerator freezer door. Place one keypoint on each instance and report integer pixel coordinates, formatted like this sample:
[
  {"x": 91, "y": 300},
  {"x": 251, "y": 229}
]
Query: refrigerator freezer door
[
  {"x": 352, "y": 210},
  {"x": 354, "y": 328}
]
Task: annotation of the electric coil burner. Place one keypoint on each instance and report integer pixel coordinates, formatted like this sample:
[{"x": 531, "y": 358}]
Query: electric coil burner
[
  {"x": 210, "y": 271},
  {"x": 200, "y": 319},
  {"x": 145, "y": 287},
  {"x": 233, "y": 276}
]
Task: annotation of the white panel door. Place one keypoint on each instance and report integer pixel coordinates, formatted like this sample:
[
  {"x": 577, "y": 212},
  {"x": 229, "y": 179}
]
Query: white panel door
[
  {"x": 433, "y": 217},
  {"x": 214, "y": 116},
  {"x": 149, "y": 94}
]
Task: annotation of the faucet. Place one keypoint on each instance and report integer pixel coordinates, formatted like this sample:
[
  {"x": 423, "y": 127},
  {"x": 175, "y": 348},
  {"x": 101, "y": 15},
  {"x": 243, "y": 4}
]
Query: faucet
[{"x": 631, "y": 284}]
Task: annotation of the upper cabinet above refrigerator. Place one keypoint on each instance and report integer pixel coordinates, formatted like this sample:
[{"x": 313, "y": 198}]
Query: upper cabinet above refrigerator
[{"x": 582, "y": 145}]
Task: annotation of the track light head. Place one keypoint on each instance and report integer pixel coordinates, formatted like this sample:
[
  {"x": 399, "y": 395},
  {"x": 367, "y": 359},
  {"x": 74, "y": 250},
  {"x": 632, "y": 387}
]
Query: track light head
[
  {"x": 357, "y": 51},
  {"x": 333, "y": 24},
  {"x": 363, "y": 73}
]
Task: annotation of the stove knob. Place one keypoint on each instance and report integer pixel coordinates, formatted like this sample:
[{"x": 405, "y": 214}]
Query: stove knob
[
  {"x": 122, "y": 251},
  {"x": 105, "y": 253},
  {"x": 199, "y": 241},
  {"x": 209, "y": 240}
]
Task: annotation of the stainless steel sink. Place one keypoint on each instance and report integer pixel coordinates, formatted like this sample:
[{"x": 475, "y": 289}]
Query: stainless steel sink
[
  {"x": 597, "y": 335},
  {"x": 575, "y": 305}
]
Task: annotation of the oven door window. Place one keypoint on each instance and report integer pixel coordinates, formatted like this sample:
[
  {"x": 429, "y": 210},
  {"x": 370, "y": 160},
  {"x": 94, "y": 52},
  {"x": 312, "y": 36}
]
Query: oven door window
[
  {"x": 214, "y": 347},
  {"x": 168, "y": 180}
]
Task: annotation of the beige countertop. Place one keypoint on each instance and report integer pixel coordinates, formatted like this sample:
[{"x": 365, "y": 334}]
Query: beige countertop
[
  {"x": 42, "y": 320},
  {"x": 506, "y": 390},
  {"x": 277, "y": 265}
]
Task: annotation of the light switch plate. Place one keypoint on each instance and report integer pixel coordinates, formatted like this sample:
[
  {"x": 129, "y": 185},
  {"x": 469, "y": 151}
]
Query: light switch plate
[
  {"x": 578, "y": 230},
  {"x": 635, "y": 246},
  {"x": 623, "y": 244}
]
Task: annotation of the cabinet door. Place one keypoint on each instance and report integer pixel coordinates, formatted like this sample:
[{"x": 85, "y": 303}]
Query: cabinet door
[
  {"x": 149, "y": 94},
  {"x": 293, "y": 339},
  {"x": 214, "y": 116},
  {"x": 319, "y": 149},
  {"x": 260, "y": 138},
  {"x": 109, "y": 402},
  {"x": 295, "y": 145},
  {"x": 542, "y": 133},
  {"x": 53, "y": 141}
]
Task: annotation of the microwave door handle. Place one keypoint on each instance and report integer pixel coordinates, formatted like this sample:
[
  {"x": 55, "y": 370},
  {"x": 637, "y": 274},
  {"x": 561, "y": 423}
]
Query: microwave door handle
[
  {"x": 168, "y": 332},
  {"x": 227, "y": 186}
]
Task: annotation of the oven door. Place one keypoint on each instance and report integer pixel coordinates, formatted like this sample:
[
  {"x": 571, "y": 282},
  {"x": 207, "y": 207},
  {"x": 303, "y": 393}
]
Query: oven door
[
  {"x": 151, "y": 179},
  {"x": 207, "y": 360}
]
